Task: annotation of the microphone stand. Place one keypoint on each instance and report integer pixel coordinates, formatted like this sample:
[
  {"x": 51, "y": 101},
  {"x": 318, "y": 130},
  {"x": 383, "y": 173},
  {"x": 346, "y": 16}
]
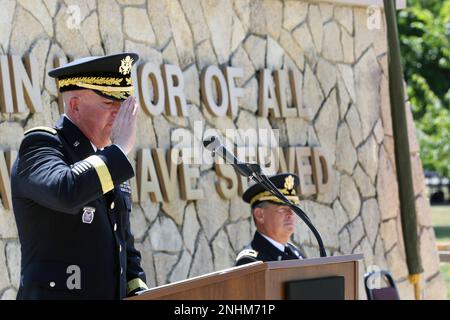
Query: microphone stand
[
  {"x": 253, "y": 170},
  {"x": 269, "y": 186}
]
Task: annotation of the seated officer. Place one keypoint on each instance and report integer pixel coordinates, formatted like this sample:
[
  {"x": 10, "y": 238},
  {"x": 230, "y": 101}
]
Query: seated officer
[
  {"x": 70, "y": 190},
  {"x": 275, "y": 222}
]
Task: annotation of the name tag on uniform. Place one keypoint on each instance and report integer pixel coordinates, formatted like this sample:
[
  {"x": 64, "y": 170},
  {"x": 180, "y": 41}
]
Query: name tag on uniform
[{"x": 88, "y": 215}]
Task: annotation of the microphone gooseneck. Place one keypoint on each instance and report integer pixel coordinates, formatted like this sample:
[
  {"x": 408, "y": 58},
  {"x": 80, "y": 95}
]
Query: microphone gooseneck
[
  {"x": 254, "y": 172},
  {"x": 211, "y": 143},
  {"x": 214, "y": 145}
]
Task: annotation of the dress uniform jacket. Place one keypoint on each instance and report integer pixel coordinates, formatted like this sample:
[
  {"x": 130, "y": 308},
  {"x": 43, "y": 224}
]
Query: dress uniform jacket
[
  {"x": 260, "y": 249},
  {"x": 72, "y": 207}
]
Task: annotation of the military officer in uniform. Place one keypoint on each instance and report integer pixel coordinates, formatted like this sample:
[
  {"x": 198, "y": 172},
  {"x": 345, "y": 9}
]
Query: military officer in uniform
[
  {"x": 275, "y": 222},
  {"x": 70, "y": 189}
]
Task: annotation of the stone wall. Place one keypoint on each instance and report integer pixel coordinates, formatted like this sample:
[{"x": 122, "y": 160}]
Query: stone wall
[{"x": 343, "y": 66}]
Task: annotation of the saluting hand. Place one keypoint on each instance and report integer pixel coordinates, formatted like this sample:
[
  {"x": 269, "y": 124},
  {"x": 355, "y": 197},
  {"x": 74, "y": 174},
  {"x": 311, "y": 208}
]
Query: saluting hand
[{"x": 125, "y": 125}]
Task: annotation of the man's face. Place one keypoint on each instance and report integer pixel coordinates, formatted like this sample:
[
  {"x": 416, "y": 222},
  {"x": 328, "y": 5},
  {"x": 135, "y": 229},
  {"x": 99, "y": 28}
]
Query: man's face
[
  {"x": 275, "y": 221},
  {"x": 95, "y": 116}
]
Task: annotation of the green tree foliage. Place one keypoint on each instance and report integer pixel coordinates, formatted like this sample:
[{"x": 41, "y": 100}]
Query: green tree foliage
[{"x": 424, "y": 29}]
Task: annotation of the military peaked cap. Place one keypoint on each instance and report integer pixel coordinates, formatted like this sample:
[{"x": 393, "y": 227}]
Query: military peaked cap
[
  {"x": 287, "y": 184},
  {"x": 109, "y": 76}
]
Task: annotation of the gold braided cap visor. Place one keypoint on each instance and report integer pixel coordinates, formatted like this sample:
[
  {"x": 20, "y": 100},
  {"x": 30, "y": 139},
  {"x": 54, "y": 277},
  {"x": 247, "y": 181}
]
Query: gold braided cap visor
[
  {"x": 95, "y": 83},
  {"x": 267, "y": 196}
]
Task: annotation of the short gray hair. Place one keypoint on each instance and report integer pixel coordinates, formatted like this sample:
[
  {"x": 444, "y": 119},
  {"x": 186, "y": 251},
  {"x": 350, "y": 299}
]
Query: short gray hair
[{"x": 261, "y": 204}]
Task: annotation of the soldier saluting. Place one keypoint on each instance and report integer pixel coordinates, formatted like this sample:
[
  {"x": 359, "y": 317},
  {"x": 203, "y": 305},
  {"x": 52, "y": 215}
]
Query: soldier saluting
[{"x": 70, "y": 190}]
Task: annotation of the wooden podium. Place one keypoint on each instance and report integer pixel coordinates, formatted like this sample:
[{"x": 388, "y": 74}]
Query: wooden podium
[{"x": 261, "y": 280}]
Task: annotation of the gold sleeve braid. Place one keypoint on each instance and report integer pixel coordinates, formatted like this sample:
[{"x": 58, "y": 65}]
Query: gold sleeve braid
[
  {"x": 135, "y": 284},
  {"x": 102, "y": 172}
]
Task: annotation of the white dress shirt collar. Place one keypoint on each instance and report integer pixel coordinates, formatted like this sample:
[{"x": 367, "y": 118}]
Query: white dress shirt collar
[{"x": 276, "y": 244}]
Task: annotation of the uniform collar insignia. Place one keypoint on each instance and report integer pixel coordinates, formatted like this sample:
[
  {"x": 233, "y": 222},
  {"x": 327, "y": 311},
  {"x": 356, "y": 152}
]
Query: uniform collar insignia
[{"x": 73, "y": 135}]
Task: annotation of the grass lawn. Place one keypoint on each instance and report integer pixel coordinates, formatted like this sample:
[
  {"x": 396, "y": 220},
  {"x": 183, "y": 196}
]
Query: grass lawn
[
  {"x": 442, "y": 233},
  {"x": 445, "y": 271},
  {"x": 440, "y": 216}
]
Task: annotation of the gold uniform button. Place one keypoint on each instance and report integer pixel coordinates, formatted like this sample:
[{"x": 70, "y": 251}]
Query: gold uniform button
[
  {"x": 115, "y": 226},
  {"x": 112, "y": 205}
]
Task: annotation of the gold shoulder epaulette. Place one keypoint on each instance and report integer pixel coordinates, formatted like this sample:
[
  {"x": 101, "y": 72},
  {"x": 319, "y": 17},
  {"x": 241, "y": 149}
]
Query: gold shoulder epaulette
[
  {"x": 41, "y": 128},
  {"x": 247, "y": 252}
]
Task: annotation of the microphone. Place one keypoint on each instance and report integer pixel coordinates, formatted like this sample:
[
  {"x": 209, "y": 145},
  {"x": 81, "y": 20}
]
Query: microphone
[
  {"x": 253, "y": 171},
  {"x": 214, "y": 145}
]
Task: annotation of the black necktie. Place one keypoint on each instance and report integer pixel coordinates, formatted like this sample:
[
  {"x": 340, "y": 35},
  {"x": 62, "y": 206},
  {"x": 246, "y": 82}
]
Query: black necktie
[{"x": 288, "y": 251}]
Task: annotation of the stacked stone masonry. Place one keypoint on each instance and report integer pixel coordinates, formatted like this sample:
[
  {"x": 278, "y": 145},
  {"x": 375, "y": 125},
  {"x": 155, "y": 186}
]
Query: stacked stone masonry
[{"x": 343, "y": 66}]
